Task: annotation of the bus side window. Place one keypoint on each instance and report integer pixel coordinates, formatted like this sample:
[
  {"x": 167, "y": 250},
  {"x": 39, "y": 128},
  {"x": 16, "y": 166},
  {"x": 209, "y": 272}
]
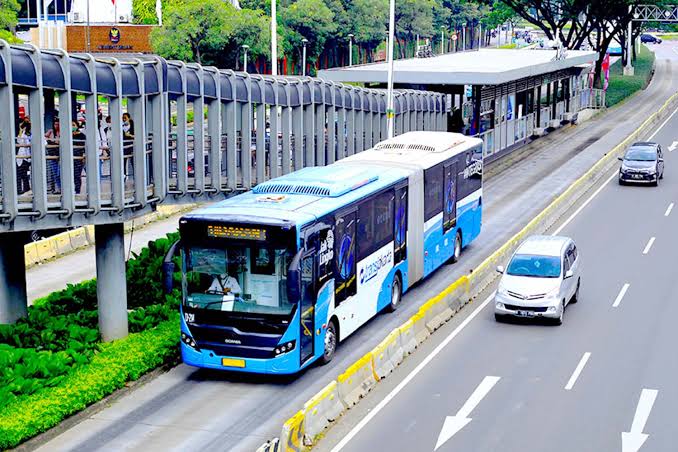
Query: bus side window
[
  {"x": 433, "y": 192},
  {"x": 345, "y": 257}
]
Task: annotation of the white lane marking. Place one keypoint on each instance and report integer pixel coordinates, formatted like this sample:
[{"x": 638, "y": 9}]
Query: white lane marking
[
  {"x": 663, "y": 124},
  {"x": 455, "y": 423},
  {"x": 668, "y": 210},
  {"x": 634, "y": 439},
  {"x": 586, "y": 203},
  {"x": 380, "y": 406},
  {"x": 621, "y": 294},
  {"x": 577, "y": 371},
  {"x": 648, "y": 246},
  {"x": 364, "y": 421},
  {"x": 673, "y": 146}
]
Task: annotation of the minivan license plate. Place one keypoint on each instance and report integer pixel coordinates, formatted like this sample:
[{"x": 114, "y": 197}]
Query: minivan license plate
[{"x": 525, "y": 313}]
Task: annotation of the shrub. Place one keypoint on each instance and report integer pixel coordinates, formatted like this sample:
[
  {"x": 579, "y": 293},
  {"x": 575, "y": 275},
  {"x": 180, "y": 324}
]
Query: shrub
[{"x": 110, "y": 368}]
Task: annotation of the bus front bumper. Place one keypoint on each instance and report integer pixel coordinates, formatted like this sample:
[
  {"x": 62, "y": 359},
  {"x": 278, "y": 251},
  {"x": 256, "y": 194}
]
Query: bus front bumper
[{"x": 287, "y": 363}]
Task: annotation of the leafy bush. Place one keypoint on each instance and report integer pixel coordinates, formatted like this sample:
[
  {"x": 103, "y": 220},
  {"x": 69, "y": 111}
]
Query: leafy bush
[
  {"x": 63, "y": 327},
  {"x": 113, "y": 365}
]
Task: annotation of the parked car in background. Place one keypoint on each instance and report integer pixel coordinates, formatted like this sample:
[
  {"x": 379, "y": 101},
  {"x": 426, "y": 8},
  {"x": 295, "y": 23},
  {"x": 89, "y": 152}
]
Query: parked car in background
[{"x": 648, "y": 38}]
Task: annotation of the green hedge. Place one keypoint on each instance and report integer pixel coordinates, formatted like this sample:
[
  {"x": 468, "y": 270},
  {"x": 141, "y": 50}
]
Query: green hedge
[
  {"x": 110, "y": 368},
  {"x": 59, "y": 339},
  {"x": 620, "y": 86}
]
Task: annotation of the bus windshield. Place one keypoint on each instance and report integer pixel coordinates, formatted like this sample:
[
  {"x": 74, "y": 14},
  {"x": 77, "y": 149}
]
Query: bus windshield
[{"x": 238, "y": 278}]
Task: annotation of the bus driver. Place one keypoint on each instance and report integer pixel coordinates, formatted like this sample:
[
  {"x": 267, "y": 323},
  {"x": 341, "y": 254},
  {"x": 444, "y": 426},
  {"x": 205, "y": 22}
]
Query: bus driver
[{"x": 224, "y": 283}]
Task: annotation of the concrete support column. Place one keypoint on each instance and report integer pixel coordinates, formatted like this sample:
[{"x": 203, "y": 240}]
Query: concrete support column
[
  {"x": 111, "y": 282},
  {"x": 13, "y": 300},
  {"x": 628, "y": 69}
]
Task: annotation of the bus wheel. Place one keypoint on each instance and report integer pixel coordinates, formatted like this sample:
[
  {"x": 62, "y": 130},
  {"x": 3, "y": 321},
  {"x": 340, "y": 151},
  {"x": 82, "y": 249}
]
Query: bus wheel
[
  {"x": 330, "y": 342},
  {"x": 396, "y": 294},
  {"x": 457, "y": 248}
]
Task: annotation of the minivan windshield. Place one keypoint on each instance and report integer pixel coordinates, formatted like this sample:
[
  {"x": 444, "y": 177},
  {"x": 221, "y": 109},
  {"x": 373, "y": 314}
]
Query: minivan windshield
[
  {"x": 534, "y": 266},
  {"x": 641, "y": 155}
]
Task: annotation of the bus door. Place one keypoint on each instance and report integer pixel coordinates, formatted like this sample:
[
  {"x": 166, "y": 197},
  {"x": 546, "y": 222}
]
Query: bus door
[
  {"x": 307, "y": 306},
  {"x": 400, "y": 232},
  {"x": 450, "y": 198}
]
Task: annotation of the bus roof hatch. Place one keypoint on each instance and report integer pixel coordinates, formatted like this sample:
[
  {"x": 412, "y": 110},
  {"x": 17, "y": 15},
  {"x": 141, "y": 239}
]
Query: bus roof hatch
[{"x": 318, "y": 181}]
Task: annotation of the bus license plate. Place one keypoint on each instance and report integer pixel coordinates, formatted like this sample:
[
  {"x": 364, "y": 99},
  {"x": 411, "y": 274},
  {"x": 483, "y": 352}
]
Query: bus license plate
[{"x": 230, "y": 362}]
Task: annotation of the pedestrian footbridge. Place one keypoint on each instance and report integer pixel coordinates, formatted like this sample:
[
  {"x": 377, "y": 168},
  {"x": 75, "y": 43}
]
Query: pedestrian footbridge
[{"x": 195, "y": 134}]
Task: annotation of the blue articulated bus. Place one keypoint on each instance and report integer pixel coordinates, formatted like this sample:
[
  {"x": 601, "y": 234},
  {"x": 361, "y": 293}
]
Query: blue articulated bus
[{"x": 273, "y": 279}]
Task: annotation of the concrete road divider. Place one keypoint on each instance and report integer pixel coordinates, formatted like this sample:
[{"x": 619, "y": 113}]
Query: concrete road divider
[
  {"x": 387, "y": 355},
  {"x": 360, "y": 377},
  {"x": 357, "y": 381},
  {"x": 292, "y": 436},
  {"x": 69, "y": 241},
  {"x": 270, "y": 446},
  {"x": 321, "y": 409},
  {"x": 408, "y": 340},
  {"x": 421, "y": 332}
]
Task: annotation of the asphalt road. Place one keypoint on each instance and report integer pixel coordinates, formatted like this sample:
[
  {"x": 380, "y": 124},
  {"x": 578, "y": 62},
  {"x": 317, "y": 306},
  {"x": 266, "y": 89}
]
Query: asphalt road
[
  {"x": 186, "y": 409},
  {"x": 529, "y": 386}
]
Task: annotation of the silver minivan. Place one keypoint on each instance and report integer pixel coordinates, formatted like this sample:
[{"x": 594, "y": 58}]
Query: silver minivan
[{"x": 541, "y": 278}]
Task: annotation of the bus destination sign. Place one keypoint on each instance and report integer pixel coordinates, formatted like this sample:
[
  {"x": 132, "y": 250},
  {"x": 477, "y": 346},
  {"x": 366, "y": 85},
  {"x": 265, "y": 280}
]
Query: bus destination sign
[{"x": 236, "y": 232}]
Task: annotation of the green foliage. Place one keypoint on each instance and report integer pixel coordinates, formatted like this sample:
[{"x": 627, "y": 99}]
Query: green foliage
[
  {"x": 144, "y": 11},
  {"x": 110, "y": 368},
  {"x": 310, "y": 19},
  {"x": 9, "y": 37},
  {"x": 499, "y": 14},
  {"x": 194, "y": 30},
  {"x": 8, "y": 14},
  {"x": 63, "y": 327},
  {"x": 620, "y": 86}
]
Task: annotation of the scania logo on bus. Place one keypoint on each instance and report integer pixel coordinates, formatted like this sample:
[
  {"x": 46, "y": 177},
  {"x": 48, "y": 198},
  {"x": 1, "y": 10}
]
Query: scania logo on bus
[
  {"x": 372, "y": 269},
  {"x": 233, "y": 341}
]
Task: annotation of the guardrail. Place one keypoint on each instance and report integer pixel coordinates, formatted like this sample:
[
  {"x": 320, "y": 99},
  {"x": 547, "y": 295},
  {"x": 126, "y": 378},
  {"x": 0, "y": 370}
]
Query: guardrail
[{"x": 303, "y": 429}]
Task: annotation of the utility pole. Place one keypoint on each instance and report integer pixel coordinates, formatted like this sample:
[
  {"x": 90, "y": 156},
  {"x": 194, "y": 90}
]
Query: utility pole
[
  {"x": 350, "y": 49},
  {"x": 390, "y": 112},
  {"x": 303, "y": 67},
  {"x": 274, "y": 39},
  {"x": 245, "y": 48}
]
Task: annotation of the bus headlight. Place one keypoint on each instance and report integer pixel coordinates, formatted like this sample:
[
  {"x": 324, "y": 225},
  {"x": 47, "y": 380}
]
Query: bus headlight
[
  {"x": 188, "y": 340},
  {"x": 285, "y": 348}
]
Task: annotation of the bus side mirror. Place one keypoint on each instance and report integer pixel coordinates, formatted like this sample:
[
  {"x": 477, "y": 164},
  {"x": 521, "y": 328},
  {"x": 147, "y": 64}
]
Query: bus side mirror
[
  {"x": 294, "y": 280},
  {"x": 168, "y": 268}
]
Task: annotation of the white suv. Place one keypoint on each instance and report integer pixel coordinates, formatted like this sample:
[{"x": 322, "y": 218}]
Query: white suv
[{"x": 542, "y": 277}]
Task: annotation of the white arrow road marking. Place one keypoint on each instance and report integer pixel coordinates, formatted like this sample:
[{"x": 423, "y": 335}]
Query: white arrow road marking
[
  {"x": 633, "y": 440},
  {"x": 673, "y": 146},
  {"x": 622, "y": 292},
  {"x": 455, "y": 423}
]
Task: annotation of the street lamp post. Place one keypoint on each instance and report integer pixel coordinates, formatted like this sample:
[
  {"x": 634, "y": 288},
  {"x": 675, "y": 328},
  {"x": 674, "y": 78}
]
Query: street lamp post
[
  {"x": 463, "y": 38},
  {"x": 350, "y": 49},
  {"x": 442, "y": 40},
  {"x": 390, "y": 113},
  {"x": 245, "y": 47},
  {"x": 274, "y": 39},
  {"x": 303, "y": 67}
]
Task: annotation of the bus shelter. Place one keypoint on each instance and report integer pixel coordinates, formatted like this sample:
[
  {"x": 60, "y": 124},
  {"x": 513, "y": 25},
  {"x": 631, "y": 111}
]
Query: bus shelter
[{"x": 504, "y": 96}]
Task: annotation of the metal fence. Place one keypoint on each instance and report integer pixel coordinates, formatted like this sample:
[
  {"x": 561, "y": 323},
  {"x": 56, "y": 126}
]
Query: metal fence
[{"x": 182, "y": 137}]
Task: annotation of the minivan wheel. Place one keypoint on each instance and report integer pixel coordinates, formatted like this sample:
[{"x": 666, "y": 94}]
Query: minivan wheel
[
  {"x": 559, "y": 320},
  {"x": 575, "y": 297}
]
